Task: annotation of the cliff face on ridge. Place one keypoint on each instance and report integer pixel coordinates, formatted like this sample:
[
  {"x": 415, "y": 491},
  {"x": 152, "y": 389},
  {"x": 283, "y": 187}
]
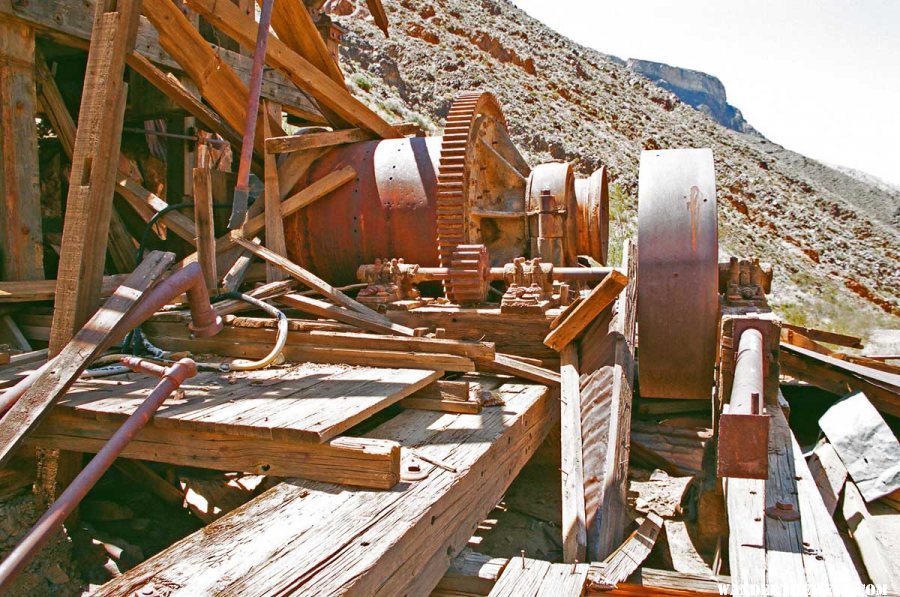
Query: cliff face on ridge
[
  {"x": 701, "y": 91},
  {"x": 837, "y": 261}
]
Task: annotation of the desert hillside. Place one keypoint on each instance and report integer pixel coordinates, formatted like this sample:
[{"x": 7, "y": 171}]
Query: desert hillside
[{"x": 832, "y": 237}]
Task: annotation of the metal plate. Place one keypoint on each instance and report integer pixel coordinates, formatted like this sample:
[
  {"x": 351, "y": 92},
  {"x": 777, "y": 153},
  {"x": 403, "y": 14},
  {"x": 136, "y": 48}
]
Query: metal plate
[{"x": 678, "y": 301}]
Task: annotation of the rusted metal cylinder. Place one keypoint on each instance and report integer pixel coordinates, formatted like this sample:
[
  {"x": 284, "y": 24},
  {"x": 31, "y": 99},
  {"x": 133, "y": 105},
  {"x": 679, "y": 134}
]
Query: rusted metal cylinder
[
  {"x": 23, "y": 553},
  {"x": 748, "y": 386},
  {"x": 389, "y": 210}
]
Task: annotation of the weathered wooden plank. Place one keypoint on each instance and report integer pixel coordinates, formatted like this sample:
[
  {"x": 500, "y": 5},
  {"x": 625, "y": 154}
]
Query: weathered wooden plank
[
  {"x": 275, "y": 241},
  {"x": 94, "y": 165},
  {"x": 829, "y": 474},
  {"x": 230, "y": 20},
  {"x": 21, "y": 244},
  {"x": 70, "y": 23},
  {"x": 512, "y": 333},
  {"x": 360, "y": 462},
  {"x": 825, "y": 336},
  {"x": 203, "y": 219},
  {"x": 574, "y": 531},
  {"x": 294, "y": 25},
  {"x": 301, "y": 404},
  {"x": 312, "y": 538},
  {"x": 314, "y": 140},
  {"x": 606, "y": 362},
  {"x": 97, "y": 335},
  {"x": 586, "y": 311},
  {"x": 502, "y": 363},
  {"x": 45, "y": 290},
  {"x": 880, "y": 562},
  {"x": 525, "y": 576},
  {"x": 329, "y": 311},
  {"x": 623, "y": 561},
  {"x": 763, "y": 549}
]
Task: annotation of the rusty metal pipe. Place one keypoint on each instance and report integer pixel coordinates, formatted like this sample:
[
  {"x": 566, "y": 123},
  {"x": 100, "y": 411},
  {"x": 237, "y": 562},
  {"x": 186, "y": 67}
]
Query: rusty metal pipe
[
  {"x": 204, "y": 319},
  {"x": 242, "y": 188},
  {"x": 743, "y": 442},
  {"x": 172, "y": 378},
  {"x": 748, "y": 386}
]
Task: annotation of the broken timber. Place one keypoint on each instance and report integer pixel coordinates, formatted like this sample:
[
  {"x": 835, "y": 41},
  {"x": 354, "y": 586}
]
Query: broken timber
[
  {"x": 94, "y": 165},
  {"x": 389, "y": 543},
  {"x": 95, "y": 337}
]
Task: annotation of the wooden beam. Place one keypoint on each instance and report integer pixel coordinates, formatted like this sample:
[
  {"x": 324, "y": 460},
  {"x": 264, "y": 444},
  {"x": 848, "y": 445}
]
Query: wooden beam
[
  {"x": 329, "y": 311},
  {"x": 574, "y": 531},
  {"x": 825, "y": 336},
  {"x": 880, "y": 561},
  {"x": 502, "y": 363},
  {"x": 829, "y": 473},
  {"x": 302, "y": 536},
  {"x": 203, "y": 219},
  {"x": 71, "y": 24},
  {"x": 104, "y": 328},
  {"x": 217, "y": 81},
  {"x": 377, "y": 10},
  {"x": 621, "y": 563},
  {"x": 881, "y": 387},
  {"x": 313, "y": 281},
  {"x": 304, "y": 197},
  {"x": 584, "y": 313},
  {"x": 314, "y": 140},
  {"x": 229, "y": 19},
  {"x": 274, "y": 224},
  {"x": 360, "y": 462},
  {"x": 146, "y": 477},
  {"x": 21, "y": 244},
  {"x": 606, "y": 364},
  {"x": 45, "y": 290},
  {"x": 94, "y": 165},
  {"x": 172, "y": 88},
  {"x": 294, "y": 25}
]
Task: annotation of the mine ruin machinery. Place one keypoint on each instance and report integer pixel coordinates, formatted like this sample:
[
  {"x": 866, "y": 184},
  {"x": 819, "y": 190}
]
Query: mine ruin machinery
[{"x": 445, "y": 202}]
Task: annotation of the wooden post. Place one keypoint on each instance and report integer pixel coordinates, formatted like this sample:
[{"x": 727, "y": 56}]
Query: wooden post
[
  {"x": 94, "y": 166},
  {"x": 20, "y": 207},
  {"x": 203, "y": 218},
  {"x": 274, "y": 224}
]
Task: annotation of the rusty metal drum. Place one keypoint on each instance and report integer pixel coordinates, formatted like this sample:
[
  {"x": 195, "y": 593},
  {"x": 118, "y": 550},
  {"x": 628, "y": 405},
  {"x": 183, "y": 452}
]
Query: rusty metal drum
[{"x": 678, "y": 300}]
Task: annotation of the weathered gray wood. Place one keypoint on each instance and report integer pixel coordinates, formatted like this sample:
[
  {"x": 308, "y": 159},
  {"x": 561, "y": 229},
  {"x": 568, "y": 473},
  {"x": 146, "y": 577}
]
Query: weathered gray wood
[
  {"x": 21, "y": 243},
  {"x": 70, "y": 23},
  {"x": 312, "y": 538},
  {"x": 95, "y": 159}
]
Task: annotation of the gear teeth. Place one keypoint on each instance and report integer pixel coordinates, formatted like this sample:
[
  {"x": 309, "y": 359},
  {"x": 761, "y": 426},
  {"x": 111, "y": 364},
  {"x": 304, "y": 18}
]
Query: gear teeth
[{"x": 468, "y": 280}]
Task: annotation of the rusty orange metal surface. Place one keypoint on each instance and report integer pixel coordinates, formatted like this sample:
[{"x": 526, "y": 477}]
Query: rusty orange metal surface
[{"x": 388, "y": 211}]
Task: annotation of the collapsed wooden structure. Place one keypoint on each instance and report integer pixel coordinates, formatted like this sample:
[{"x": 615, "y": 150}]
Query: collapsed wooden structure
[{"x": 390, "y": 423}]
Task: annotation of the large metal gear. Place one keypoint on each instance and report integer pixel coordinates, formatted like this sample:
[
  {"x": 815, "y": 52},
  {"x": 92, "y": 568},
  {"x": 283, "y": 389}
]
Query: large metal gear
[
  {"x": 678, "y": 300},
  {"x": 458, "y": 154},
  {"x": 470, "y": 269}
]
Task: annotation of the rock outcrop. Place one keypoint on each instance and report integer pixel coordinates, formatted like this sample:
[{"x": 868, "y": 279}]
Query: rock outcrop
[{"x": 702, "y": 91}]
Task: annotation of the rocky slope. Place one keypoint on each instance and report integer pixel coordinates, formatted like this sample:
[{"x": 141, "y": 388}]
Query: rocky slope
[
  {"x": 837, "y": 265},
  {"x": 701, "y": 91}
]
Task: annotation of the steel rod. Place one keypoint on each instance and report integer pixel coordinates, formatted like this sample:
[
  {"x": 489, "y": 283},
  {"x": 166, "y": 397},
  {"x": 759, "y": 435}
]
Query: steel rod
[
  {"x": 242, "y": 188},
  {"x": 25, "y": 551}
]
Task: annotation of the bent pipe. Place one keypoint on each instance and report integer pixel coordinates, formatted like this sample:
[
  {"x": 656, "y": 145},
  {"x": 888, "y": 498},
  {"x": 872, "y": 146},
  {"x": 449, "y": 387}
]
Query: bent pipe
[
  {"x": 204, "y": 319},
  {"x": 172, "y": 378}
]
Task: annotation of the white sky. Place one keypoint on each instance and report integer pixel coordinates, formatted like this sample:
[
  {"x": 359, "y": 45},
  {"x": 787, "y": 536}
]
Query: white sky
[{"x": 821, "y": 77}]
